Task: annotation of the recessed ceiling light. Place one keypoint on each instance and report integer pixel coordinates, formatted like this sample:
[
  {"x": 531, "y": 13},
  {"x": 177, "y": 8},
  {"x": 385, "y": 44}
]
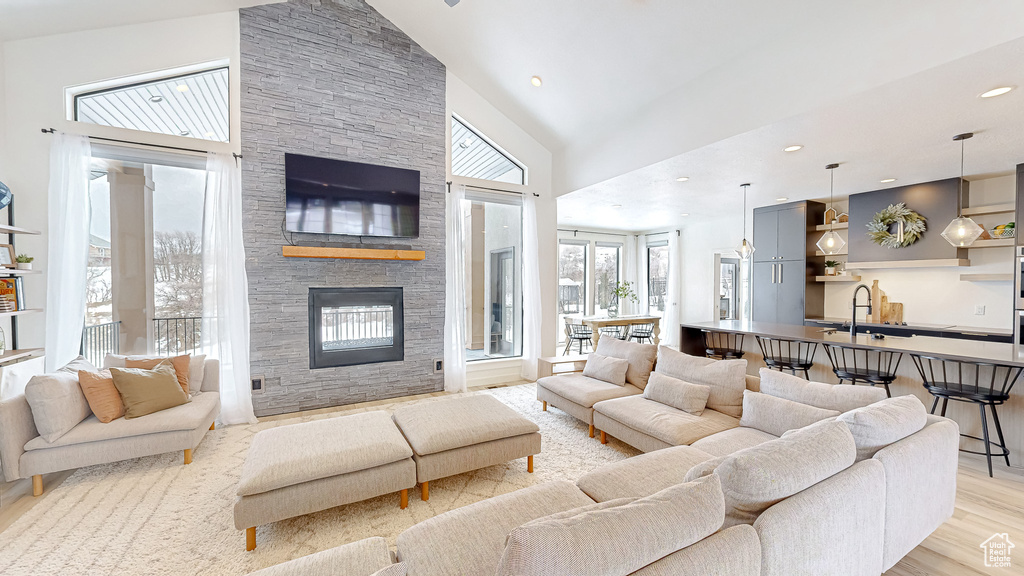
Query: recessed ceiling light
[
  {"x": 536, "y": 81},
  {"x": 682, "y": 179},
  {"x": 616, "y": 205},
  {"x": 156, "y": 98},
  {"x": 685, "y": 214},
  {"x": 792, "y": 148},
  {"x": 182, "y": 88},
  {"x": 781, "y": 199},
  {"x": 887, "y": 180},
  {"x": 997, "y": 91}
]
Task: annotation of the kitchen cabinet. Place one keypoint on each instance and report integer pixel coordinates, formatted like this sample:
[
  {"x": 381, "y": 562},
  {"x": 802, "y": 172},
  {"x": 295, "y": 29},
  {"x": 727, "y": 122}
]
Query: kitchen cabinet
[
  {"x": 784, "y": 289},
  {"x": 779, "y": 293},
  {"x": 780, "y": 234}
]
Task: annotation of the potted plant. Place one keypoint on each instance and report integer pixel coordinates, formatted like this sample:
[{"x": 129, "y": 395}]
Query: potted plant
[
  {"x": 830, "y": 267},
  {"x": 623, "y": 291},
  {"x": 24, "y": 261}
]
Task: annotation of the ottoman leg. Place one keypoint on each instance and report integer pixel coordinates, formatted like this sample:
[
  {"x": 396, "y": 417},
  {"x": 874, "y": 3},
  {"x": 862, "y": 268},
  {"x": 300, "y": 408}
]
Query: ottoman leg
[
  {"x": 591, "y": 430},
  {"x": 404, "y": 499},
  {"x": 188, "y": 456},
  {"x": 544, "y": 406},
  {"x": 529, "y": 464},
  {"x": 425, "y": 491},
  {"x": 250, "y": 539},
  {"x": 604, "y": 437},
  {"x": 213, "y": 425}
]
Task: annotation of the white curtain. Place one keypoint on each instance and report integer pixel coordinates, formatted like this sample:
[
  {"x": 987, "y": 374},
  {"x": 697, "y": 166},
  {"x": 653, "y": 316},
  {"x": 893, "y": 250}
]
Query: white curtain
[
  {"x": 455, "y": 293},
  {"x": 641, "y": 275},
  {"x": 672, "y": 318},
  {"x": 68, "y": 250},
  {"x": 629, "y": 274},
  {"x": 531, "y": 289},
  {"x": 226, "y": 289}
]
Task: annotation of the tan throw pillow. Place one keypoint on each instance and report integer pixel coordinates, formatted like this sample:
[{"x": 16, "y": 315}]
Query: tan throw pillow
[
  {"x": 103, "y": 397},
  {"x": 147, "y": 391},
  {"x": 611, "y": 370},
  {"x": 841, "y": 397},
  {"x": 57, "y": 403},
  {"x": 640, "y": 357},
  {"x": 690, "y": 398},
  {"x": 180, "y": 364},
  {"x": 727, "y": 378},
  {"x": 876, "y": 426},
  {"x": 777, "y": 415}
]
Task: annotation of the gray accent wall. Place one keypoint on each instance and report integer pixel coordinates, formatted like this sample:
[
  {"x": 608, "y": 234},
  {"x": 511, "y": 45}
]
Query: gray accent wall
[{"x": 337, "y": 80}]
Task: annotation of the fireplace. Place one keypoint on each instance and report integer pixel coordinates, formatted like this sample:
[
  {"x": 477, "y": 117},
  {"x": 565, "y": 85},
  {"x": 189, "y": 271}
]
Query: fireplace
[{"x": 349, "y": 326}]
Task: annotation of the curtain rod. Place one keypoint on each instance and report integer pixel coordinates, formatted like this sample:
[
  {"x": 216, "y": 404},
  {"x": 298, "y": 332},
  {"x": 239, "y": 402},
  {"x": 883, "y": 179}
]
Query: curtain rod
[
  {"x": 449, "y": 183},
  {"x": 51, "y": 131},
  {"x": 613, "y": 233}
]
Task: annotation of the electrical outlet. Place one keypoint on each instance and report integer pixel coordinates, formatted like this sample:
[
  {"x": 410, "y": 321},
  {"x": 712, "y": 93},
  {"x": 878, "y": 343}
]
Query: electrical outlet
[
  {"x": 438, "y": 366},
  {"x": 979, "y": 310}
]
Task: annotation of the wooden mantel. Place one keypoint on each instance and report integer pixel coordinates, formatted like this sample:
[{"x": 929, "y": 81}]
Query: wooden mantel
[{"x": 352, "y": 253}]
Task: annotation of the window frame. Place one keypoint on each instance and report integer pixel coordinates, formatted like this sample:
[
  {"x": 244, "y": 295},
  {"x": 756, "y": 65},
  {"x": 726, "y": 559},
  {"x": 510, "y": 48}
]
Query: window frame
[
  {"x": 618, "y": 246},
  {"x": 585, "y": 244},
  {"x": 650, "y": 284},
  {"x": 497, "y": 147}
]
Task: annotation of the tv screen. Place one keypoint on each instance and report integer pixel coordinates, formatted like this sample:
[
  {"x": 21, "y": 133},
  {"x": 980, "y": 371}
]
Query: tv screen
[{"x": 327, "y": 196}]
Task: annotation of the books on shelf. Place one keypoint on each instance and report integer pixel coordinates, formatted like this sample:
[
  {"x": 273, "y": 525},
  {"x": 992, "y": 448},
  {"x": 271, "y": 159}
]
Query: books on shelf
[{"x": 11, "y": 295}]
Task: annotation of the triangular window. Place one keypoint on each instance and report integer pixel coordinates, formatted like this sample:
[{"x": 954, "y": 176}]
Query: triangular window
[{"x": 476, "y": 156}]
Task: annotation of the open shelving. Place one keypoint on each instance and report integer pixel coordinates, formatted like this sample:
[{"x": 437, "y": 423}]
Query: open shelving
[
  {"x": 990, "y": 209},
  {"x": 986, "y": 277},
  {"x": 14, "y": 354},
  {"x": 838, "y": 278}
]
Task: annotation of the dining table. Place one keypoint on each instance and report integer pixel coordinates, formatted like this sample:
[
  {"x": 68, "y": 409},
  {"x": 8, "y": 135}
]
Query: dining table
[{"x": 598, "y": 322}]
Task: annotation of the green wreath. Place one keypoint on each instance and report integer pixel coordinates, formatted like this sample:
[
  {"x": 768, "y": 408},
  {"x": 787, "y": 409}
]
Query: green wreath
[{"x": 913, "y": 226}]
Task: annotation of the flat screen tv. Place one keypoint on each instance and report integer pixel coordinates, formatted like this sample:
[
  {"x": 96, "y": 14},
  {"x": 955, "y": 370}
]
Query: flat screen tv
[{"x": 327, "y": 196}]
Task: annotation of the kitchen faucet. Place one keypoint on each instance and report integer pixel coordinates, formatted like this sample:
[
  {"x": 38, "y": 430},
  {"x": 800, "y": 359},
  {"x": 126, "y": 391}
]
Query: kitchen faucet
[{"x": 853, "y": 324}]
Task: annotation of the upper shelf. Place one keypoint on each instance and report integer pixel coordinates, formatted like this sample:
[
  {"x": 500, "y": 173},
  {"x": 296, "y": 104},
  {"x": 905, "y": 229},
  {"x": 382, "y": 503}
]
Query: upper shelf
[
  {"x": 993, "y": 243},
  {"x": 836, "y": 226},
  {"x": 990, "y": 209},
  {"x": 16, "y": 272},
  {"x": 4, "y": 229}
]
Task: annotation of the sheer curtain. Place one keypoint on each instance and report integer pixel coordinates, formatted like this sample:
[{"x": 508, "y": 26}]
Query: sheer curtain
[
  {"x": 641, "y": 275},
  {"x": 673, "y": 292},
  {"x": 531, "y": 289},
  {"x": 455, "y": 293},
  {"x": 629, "y": 274},
  {"x": 225, "y": 330},
  {"x": 68, "y": 251}
]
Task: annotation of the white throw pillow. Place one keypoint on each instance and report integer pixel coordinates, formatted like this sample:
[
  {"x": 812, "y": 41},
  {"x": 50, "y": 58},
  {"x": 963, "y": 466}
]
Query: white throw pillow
[
  {"x": 841, "y": 397},
  {"x": 876, "y": 426},
  {"x": 57, "y": 403},
  {"x": 607, "y": 369},
  {"x": 640, "y": 357},
  {"x": 196, "y": 372},
  {"x": 777, "y": 415},
  {"x": 79, "y": 363},
  {"x": 690, "y": 398},
  {"x": 727, "y": 378}
]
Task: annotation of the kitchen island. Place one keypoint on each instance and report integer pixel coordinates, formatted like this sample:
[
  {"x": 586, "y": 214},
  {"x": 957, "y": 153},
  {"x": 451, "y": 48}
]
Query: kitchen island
[{"x": 908, "y": 379}]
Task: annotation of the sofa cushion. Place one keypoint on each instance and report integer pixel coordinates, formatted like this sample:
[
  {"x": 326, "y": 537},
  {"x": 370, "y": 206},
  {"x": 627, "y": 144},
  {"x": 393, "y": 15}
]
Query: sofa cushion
[
  {"x": 841, "y": 397},
  {"x": 727, "y": 378},
  {"x": 449, "y": 423},
  {"x": 179, "y": 363},
  {"x": 758, "y": 477},
  {"x": 734, "y": 551},
  {"x": 691, "y": 398},
  {"x": 617, "y": 539},
  {"x": 607, "y": 369},
  {"x": 705, "y": 468},
  {"x": 640, "y": 357},
  {"x": 103, "y": 397},
  {"x": 58, "y": 403},
  {"x": 471, "y": 539},
  {"x": 147, "y": 391},
  {"x": 296, "y": 453},
  {"x": 584, "y": 390},
  {"x": 185, "y": 417},
  {"x": 733, "y": 440},
  {"x": 876, "y": 426},
  {"x": 196, "y": 372},
  {"x": 641, "y": 475},
  {"x": 668, "y": 424},
  {"x": 777, "y": 416},
  {"x": 361, "y": 558},
  {"x": 400, "y": 569}
]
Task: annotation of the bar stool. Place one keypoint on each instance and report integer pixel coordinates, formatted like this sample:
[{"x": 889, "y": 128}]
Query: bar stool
[
  {"x": 874, "y": 367},
  {"x": 984, "y": 384},
  {"x": 788, "y": 355},
  {"x": 641, "y": 332},
  {"x": 578, "y": 333},
  {"x": 613, "y": 331},
  {"x": 723, "y": 345}
]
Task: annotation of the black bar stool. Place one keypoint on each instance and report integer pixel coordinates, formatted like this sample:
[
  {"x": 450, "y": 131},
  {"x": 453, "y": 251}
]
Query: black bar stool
[
  {"x": 788, "y": 355},
  {"x": 984, "y": 384},
  {"x": 577, "y": 333},
  {"x": 641, "y": 332},
  {"x": 856, "y": 365},
  {"x": 613, "y": 331},
  {"x": 723, "y": 345}
]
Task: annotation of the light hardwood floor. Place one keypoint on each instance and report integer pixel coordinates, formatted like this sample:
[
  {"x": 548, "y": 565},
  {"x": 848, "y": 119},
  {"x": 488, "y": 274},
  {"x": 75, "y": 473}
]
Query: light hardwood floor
[{"x": 984, "y": 506}]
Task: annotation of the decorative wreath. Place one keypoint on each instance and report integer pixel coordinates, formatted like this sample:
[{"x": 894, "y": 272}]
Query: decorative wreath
[{"x": 913, "y": 226}]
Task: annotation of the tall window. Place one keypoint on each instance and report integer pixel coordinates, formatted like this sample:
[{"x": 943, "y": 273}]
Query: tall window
[
  {"x": 657, "y": 276},
  {"x": 607, "y": 259},
  {"x": 475, "y": 156}
]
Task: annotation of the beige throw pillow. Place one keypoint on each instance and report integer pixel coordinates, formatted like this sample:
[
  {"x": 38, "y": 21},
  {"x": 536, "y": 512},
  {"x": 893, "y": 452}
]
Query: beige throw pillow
[
  {"x": 640, "y": 357},
  {"x": 103, "y": 397},
  {"x": 727, "y": 378},
  {"x": 611, "y": 370},
  {"x": 841, "y": 397},
  {"x": 148, "y": 391},
  {"x": 690, "y": 398},
  {"x": 876, "y": 426},
  {"x": 57, "y": 403},
  {"x": 777, "y": 415},
  {"x": 196, "y": 373},
  {"x": 180, "y": 364}
]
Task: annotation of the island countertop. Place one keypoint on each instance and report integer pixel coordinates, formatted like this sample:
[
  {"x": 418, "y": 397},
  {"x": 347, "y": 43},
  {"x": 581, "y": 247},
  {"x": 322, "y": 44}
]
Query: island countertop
[{"x": 954, "y": 349}]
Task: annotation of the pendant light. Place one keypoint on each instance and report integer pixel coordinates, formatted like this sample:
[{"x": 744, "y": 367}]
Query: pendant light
[
  {"x": 831, "y": 242},
  {"x": 746, "y": 249},
  {"x": 962, "y": 232}
]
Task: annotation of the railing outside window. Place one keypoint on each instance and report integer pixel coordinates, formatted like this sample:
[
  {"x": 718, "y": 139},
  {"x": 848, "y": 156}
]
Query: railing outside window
[
  {"x": 349, "y": 327},
  {"x": 100, "y": 340},
  {"x": 175, "y": 336}
]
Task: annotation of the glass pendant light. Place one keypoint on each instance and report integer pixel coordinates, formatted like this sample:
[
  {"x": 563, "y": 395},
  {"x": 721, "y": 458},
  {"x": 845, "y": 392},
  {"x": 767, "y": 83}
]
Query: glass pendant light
[
  {"x": 962, "y": 232},
  {"x": 831, "y": 242},
  {"x": 746, "y": 249}
]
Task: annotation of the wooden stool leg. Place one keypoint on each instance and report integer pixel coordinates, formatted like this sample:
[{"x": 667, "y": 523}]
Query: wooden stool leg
[
  {"x": 425, "y": 491},
  {"x": 250, "y": 539},
  {"x": 591, "y": 430},
  {"x": 404, "y": 499},
  {"x": 37, "y": 485},
  {"x": 188, "y": 456},
  {"x": 604, "y": 437},
  {"x": 213, "y": 425},
  {"x": 529, "y": 464},
  {"x": 545, "y": 406}
]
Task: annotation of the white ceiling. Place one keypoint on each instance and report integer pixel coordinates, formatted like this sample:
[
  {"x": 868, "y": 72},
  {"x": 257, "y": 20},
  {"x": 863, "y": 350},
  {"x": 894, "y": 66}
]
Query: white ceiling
[{"x": 901, "y": 130}]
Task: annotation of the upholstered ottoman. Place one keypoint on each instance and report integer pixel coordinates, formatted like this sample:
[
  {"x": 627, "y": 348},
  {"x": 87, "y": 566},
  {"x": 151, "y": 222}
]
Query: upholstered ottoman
[
  {"x": 304, "y": 468},
  {"x": 456, "y": 435}
]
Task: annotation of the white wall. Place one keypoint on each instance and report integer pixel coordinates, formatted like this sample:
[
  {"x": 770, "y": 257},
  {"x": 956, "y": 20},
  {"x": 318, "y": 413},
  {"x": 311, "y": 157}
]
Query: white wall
[{"x": 41, "y": 69}]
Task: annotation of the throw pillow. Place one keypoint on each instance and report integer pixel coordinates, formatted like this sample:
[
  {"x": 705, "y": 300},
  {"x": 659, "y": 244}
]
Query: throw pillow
[
  {"x": 79, "y": 363},
  {"x": 57, "y": 403},
  {"x": 727, "y": 378},
  {"x": 705, "y": 468},
  {"x": 841, "y": 397},
  {"x": 876, "y": 426},
  {"x": 580, "y": 545},
  {"x": 102, "y": 395},
  {"x": 114, "y": 361},
  {"x": 196, "y": 373},
  {"x": 640, "y": 357},
  {"x": 147, "y": 391},
  {"x": 180, "y": 364},
  {"x": 400, "y": 569},
  {"x": 690, "y": 398},
  {"x": 777, "y": 415},
  {"x": 611, "y": 370}
]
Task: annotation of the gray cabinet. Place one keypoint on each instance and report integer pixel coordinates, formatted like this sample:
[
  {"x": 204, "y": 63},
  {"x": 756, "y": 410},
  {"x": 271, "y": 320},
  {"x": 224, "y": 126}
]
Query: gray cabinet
[
  {"x": 764, "y": 292},
  {"x": 783, "y": 284}
]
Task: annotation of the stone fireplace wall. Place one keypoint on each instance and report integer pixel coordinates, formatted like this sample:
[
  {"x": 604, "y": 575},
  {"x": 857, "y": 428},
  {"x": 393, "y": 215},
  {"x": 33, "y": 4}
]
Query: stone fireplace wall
[{"x": 336, "y": 79}]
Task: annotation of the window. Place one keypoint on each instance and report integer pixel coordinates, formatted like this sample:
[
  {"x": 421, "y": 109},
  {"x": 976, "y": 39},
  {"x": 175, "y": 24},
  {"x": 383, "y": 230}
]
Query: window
[
  {"x": 606, "y": 267},
  {"x": 657, "y": 276},
  {"x": 475, "y": 156},
  {"x": 193, "y": 104},
  {"x": 572, "y": 278},
  {"x": 493, "y": 225}
]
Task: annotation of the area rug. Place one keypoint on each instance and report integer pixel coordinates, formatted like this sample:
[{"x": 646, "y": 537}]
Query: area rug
[{"x": 155, "y": 516}]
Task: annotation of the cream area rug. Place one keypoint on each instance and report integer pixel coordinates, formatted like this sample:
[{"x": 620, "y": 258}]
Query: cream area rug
[{"x": 156, "y": 516}]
